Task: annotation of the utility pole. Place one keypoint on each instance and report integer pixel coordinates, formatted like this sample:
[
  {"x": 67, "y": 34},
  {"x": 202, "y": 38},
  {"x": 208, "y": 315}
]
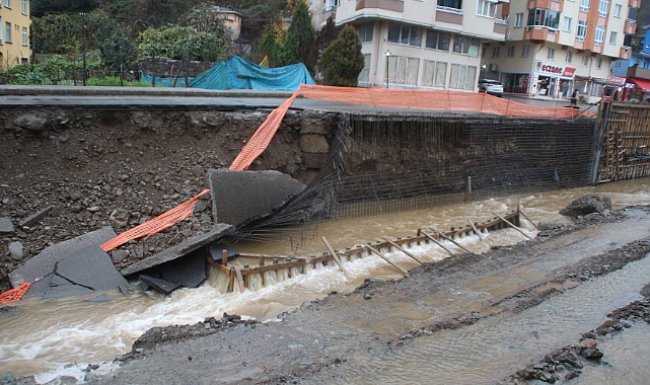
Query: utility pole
[{"x": 83, "y": 47}]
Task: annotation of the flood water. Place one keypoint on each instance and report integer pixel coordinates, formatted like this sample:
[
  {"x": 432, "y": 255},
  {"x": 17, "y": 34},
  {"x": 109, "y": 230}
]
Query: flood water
[{"x": 41, "y": 338}]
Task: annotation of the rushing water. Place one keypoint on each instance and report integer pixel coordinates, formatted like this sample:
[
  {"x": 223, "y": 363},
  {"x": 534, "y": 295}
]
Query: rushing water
[{"x": 42, "y": 337}]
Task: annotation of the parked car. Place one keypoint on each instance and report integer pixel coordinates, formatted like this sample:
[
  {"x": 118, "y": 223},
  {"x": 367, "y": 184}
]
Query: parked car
[{"x": 492, "y": 87}]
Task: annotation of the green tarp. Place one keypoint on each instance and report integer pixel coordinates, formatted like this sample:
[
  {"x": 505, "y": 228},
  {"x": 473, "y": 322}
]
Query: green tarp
[{"x": 237, "y": 73}]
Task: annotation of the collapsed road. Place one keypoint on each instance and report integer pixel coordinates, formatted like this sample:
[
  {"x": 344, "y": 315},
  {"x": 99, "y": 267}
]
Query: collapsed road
[{"x": 435, "y": 326}]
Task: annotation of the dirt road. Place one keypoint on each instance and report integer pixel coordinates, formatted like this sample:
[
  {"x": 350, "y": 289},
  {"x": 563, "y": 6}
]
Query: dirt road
[{"x": 468, "y": 319}]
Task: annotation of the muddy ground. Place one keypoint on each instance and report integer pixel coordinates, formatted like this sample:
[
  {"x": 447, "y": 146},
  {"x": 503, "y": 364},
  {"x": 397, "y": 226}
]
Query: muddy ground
[{"x": 315, "y": 341}]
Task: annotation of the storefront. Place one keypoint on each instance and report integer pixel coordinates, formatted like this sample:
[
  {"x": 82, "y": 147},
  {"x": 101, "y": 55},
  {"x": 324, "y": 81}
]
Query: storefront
[{"x": 551, "y": 81}]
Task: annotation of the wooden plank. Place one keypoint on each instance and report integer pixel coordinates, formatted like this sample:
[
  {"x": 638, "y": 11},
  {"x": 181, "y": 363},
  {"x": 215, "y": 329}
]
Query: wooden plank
[
  {"x": 334, "y": 255},
  {"x": 240, "y": 280},
  {"x": 450, "y": 240},
  {"x": 403, "y": 250},
  {"x": 513, "y": 226},
  {"x": 274, "y": 267},
  {"x": 437, "y": 243},
  {"x": 528, "y": 219},
  {"x": 382, "y": 256},
  {"x": 481, "y": 237}
]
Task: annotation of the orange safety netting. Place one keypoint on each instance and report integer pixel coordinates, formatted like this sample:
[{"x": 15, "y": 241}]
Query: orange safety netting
[
  {"x": 14, "y": 294},
  {"x": 157, "y": 224}
]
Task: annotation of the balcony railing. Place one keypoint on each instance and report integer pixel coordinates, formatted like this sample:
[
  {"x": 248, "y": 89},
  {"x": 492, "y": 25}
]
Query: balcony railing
[
  {"x": 554, "y": 5},
  {"x": 630, "y": 26},
  {"x": 540, "y": 33},
  {"x": 389, "y": 5},
  {"x": 626, "y": 52},
  {"x": 634, "y": 3}
]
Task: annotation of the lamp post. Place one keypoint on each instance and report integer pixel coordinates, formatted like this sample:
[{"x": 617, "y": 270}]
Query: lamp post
[{"x": 387, "y": 53}]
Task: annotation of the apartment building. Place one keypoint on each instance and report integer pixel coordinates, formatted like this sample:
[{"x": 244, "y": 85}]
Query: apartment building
[
  {"x": 555, "y": 46},
  {"x": 424, "y": 43},
  {"x": 14, "y": 33}
]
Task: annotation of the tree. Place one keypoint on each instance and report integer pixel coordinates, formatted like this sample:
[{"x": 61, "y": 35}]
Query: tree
[
  {"x": 183, "y": 43},
  {"x": 324, "y": 38},
  {"x": 300, "y": 37},
  {"x": 342, "y": 60},
  {"x": 117, "y": 51}
]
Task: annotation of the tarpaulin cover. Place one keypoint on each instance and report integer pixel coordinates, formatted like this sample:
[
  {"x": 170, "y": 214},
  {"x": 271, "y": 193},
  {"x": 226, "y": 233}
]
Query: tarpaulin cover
[
  {"x": 641, "y": 83},
  {"x": 240, "y": 74}
]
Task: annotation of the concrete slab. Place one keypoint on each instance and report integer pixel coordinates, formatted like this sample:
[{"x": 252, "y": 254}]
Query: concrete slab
[
  {"x": 44, "y": 263},
  {"x": 188, "y": 271},
  {"x": 187, "y": 246},
  {"x": 92, "y": 267},
  {"x": 240, "y": 195},
  {"x": 159, "y": 284},
  {"x": 6, "y": 226}
]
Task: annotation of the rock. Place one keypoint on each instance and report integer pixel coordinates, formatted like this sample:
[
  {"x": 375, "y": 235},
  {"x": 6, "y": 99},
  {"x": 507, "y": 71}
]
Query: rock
[
  {"x": 590, "y": 203},
  {"x": 36, "y": 217},
  {"x": 591, "y": 354},
  {"x": 63, "y": 380},
  {"x": 17, "y": 250},
  {"x": 589, "y": 343},
  {"x": 544, "y": 226},
  {"x": 31, "y": 122},
  {"x": 6, "y": 226},
  {"x": 120, "y": 217},
  {"x": 118, "y": 255}
]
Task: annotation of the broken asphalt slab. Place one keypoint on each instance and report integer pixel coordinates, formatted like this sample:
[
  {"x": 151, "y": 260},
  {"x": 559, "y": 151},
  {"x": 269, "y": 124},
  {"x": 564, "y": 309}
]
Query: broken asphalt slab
[
  {"x": 79, "y": 260},
  {"x": 240, "y": 195},
  {"x": 6, "y": 226},
  {"x": 36, "y": 217},
  {"x": 177, "y": 251}
]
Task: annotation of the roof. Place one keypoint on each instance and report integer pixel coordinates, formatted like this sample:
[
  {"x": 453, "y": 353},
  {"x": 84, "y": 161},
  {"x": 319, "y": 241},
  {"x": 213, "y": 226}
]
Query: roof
[{"x": 644, "y": 84}]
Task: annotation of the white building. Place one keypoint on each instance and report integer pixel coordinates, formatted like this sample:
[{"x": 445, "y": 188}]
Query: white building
[
  {"x": 555, "y": 46},
  {"x": 424, "y": 43}
]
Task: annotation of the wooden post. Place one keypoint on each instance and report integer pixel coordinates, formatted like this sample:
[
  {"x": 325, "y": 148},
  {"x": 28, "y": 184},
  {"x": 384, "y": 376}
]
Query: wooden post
[
  {"x": 437, "y": 243},
  {"x": 450, "y": 240},
  {"x": 513, "y": 226},
  {"x": 240, "y": 280},
  {"x": 400, "y": 248},
  {"x": 528, "y": 219},
  {"x": 224, "y": 257},
  {"x": 481, "y": 237},
  {"x": 335, "y": 256},
  {"x": 231, "y": 281},
  {"x": 382, "y": 256}
]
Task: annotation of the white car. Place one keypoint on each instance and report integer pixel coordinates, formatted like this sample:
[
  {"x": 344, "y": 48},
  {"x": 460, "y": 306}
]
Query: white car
[{"x": 492, "y": 87}]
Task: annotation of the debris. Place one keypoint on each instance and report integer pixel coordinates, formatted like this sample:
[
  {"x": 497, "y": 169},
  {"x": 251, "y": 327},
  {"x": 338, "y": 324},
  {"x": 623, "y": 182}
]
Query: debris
[
  {"x": 17, "y": 250},
  {"x": 159, "y": 284},
  {"x": 590, "y": 203},
  {"x": 240, "y": 195},
  {"x": 36, "y": 217},
  {"x": 188, "y": 271},
  {"x": 6, "y": 226}
]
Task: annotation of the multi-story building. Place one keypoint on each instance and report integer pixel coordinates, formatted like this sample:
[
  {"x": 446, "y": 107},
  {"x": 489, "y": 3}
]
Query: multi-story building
[
  {"x": 424, "y": 43},
  {"x": 14, "y": 32},
  {"x": 555, "y": 46}
]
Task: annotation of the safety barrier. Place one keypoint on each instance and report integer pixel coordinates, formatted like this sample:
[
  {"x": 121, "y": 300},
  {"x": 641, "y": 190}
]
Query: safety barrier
[{"x": 14, "y": 294}]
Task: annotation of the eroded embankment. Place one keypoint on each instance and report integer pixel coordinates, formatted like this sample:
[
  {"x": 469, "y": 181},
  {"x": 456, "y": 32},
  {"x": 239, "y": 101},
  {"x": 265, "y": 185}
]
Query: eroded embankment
[
  {"x": 325, "y": 338},
  {"x": 120, "y": 166}
]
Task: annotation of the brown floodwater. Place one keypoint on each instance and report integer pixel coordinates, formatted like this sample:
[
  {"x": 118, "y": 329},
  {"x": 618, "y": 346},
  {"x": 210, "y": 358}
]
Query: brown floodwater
[{"x": 43, "y": 337}]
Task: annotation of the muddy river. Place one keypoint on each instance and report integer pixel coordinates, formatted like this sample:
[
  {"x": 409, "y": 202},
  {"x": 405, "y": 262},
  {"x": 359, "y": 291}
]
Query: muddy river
[{"x": 44, "y": 338}]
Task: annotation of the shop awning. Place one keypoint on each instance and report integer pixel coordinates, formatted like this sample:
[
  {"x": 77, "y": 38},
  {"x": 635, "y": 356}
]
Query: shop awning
[{"x": 643, "y": 84}]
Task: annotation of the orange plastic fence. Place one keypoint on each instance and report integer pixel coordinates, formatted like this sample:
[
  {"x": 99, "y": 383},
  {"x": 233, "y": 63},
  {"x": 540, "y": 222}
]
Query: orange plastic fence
[{"x": 14, "y": 294}]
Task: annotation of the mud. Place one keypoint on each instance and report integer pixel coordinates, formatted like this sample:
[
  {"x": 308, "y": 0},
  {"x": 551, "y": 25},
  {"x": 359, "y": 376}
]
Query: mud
[
  {"x": 315, "y": 340},
  {"x": 120, "y": 167}
]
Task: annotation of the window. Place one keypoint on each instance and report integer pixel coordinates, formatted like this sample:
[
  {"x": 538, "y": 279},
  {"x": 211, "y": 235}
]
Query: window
[
  {"x": 456, "y": 4},
  {"x": 403, "y": 70},
  {"x": 8, "y": 5},
  {"x": 612, "y": 37},
  {"x": 434, "y": 73},
  {"x": 566, "y": 24},
  {"x": 603, "y": 7},
  {"x": 496, "y": 51},
  {"x": 8, "y": 32},
  {"x": 511, "y": 51},
  {"x": 600, "y": 34},
  {"x": 24, "y": 8},
  {"x": 585, "y": 60},
  {"x": 466, "y": 45},
  {"x": 550, "y": 54},
  {"x": 524, "y": 50},
  {"x": 617, "y": 10},
  {"x": 486, "y": 8},
  {"x": 519, "y": 20},
  {"x": 364, "y": 75},
  {"x": 438, "y": 40},
  {"x": 25, "y": 39},
  {"x": 365, "y": 32},
  {"x": 569, "y": 56},
  {"x": 599, "y": 63},
  {"x": 584, "y": 5},
  {"x": 331, "y": 4},
  {"x": 544, "y": 17},
  {"x": 405, "y": 34},
  {"x": 462, "y": 77},
  {"x": 582, "y": 30}
]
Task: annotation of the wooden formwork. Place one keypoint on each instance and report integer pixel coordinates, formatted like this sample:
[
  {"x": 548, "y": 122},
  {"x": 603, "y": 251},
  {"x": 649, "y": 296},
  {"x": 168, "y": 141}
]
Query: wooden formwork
[
  {"x": 625, "y": 131},
  {"x": 240, "y": 276}
]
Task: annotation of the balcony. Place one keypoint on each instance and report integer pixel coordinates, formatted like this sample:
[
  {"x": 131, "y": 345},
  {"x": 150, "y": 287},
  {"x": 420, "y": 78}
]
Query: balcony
[
  {"x": 541, "y": 33},
  {"x": 500, "y": 26},
  {"x": 554, "y": 5},
  {"x": 638, "y": 72},
  {"x": 630, "y": 27},
  {"x": 626, "y": 52},
  {"x": 634, "y": 3},
  {"x": 388, "y": 5},
  {"x": 449, "y": 15}
]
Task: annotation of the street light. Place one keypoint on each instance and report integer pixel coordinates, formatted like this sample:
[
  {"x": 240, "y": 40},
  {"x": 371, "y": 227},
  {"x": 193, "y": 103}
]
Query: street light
[{"x": 387, "y": 53}]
